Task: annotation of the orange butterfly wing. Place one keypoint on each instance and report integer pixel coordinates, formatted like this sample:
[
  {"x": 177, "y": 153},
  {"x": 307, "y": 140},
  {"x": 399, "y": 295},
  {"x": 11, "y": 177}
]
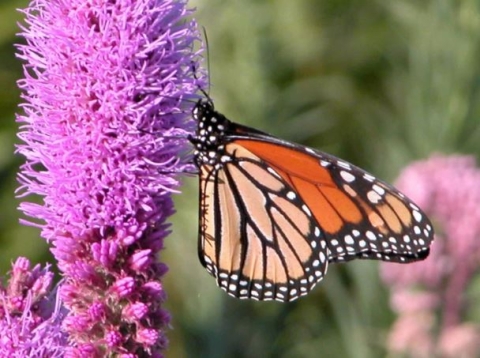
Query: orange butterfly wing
[
  {"x": 361, "y": 216},
  {"x": 273, "y": 214},
  {"x": 256, "y": 236}
]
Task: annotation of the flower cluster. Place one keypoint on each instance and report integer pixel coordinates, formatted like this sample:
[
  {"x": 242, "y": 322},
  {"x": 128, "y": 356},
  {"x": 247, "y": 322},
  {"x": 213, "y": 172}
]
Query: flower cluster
[
  {"x": 30, "y": 315},
  {"x": 107, "y": 88},
  {"x": 431, "y": 297}
]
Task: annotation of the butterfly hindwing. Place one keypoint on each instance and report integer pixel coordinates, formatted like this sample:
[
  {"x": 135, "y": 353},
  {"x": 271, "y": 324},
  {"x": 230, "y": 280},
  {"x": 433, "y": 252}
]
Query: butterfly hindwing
[{"x": 255, "y": 237}]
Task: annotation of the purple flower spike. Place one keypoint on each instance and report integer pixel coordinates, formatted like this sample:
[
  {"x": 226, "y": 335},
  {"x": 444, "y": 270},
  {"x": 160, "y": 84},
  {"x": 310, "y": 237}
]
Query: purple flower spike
[
  {"x": 30, "y": 318},
  {"x": 107, "y": 90}
]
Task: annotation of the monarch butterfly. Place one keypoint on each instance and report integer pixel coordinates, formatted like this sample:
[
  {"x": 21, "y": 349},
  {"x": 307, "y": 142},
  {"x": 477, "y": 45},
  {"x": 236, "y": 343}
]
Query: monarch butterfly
[{"x": 274, "y": 214}]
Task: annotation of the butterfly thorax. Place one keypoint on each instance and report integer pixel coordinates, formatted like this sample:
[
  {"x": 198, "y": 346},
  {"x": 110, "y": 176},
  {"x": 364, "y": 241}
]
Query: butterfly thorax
[{"x": 209, "y": 139}]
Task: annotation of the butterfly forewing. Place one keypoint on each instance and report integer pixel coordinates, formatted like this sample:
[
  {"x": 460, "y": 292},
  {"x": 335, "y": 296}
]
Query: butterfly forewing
[
  {"x": 392, "y": 228},
  {"x": 274, "y": 213},
  {"x": 361, "y": 216}
]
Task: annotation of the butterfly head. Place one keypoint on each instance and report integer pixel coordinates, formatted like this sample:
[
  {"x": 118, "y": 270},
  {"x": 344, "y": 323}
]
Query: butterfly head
[{"x": 209, "y": 139}]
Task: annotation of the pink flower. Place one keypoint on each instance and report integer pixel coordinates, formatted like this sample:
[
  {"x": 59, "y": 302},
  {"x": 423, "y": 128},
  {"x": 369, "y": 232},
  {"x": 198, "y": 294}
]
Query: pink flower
[
  {"x": 462, "y": 341},
  {"x": 412, "y": 334},
  {"x": 448, "y": 190}
]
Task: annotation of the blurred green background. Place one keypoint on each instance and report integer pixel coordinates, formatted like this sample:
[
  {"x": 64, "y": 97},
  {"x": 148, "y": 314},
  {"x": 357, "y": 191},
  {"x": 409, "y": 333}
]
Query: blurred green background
[{"x": 378, "y": 83}]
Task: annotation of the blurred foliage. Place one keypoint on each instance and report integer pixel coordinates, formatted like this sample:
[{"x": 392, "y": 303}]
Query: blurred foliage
[
  {"x": 15, "y": 239},
  {"x": 378, "y": 83}
]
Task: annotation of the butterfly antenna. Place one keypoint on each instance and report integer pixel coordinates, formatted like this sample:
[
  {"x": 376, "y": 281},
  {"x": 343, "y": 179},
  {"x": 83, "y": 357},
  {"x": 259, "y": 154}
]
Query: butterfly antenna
[
  {"x": 208, "y": 59},
  {"x": 194, "y": 70}
]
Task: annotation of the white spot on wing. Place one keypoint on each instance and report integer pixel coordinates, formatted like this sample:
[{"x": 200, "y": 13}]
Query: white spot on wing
[
  {"x": 414, "y": 207},
  {"x": 343, "y": 165},
  {"x": 373, "y": 197},
  {"x": 369, "y": 177},
  {"x": 370, "y": 235},
  {"x": 348, "y": 177},
  {"x": 306, "y": 210},
  {"x": 378, "y": 189},
  {"x": 349, "y": 240},
  {"x": 417, "y": 215}
]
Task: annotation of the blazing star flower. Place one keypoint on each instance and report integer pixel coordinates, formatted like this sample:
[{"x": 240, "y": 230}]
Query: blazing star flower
[
  {"x": 429, "y": 296},
  {"x": 106, "y": 89},
  {"x": 30, "y": 315}
]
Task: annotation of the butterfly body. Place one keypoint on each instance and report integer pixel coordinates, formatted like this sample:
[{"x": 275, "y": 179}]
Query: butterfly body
[{"x": 274, "y": 214}]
